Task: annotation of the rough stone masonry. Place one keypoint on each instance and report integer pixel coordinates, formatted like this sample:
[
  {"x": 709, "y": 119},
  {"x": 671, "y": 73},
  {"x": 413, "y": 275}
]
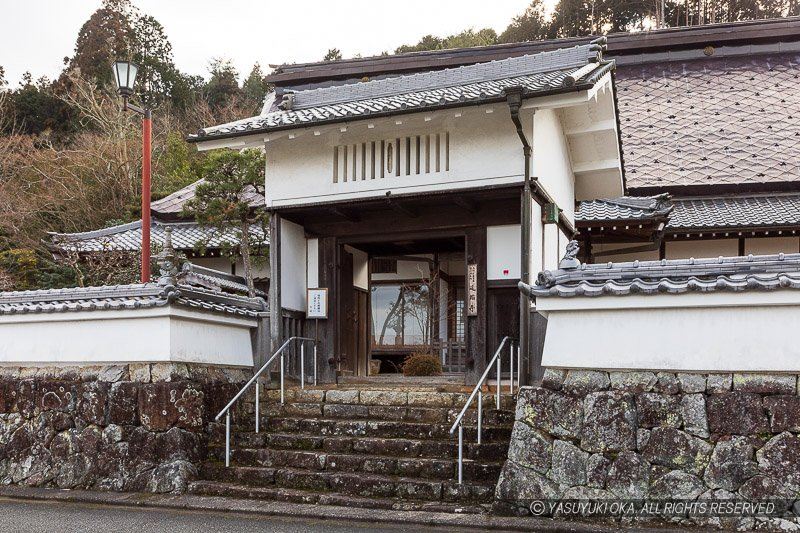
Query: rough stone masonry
[
  {"x": 133, "y": 427},
  {"x": 632, "y": 435}
]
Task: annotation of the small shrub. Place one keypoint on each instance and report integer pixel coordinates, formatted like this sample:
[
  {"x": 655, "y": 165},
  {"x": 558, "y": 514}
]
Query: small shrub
[{"x": 422, "y": 364}]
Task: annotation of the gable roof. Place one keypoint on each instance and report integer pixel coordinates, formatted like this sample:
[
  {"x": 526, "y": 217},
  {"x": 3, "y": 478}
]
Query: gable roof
[
  {"x": 556, "y": 71},
  {"x": 171, "y": 206}
]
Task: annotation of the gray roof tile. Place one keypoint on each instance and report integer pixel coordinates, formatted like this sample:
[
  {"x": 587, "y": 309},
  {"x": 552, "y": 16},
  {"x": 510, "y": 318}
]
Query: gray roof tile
[
  {"x": 767, "y": 272},
  {"x": 624, "y": 208},
  {"x": 543, "y": 72},
  {"x": 128, "y": 237}
]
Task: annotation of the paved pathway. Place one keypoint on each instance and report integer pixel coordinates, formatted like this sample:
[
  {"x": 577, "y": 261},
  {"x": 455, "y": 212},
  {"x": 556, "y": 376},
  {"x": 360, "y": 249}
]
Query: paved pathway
[{"x": 24, "y": 516}]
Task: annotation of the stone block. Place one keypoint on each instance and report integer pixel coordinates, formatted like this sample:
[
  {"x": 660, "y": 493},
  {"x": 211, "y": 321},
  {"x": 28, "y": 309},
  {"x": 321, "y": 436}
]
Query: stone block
[
  {"x": 429, "y": 399},
  {"x": 731, "y": 464},
  {"x": 736, "y": 413},
  {"x": 677, "y": 485},
  {"x": 642, "y": 436},
  {"x": 553, "y": 378},
  {"x": 519, "y": 486},
  {"x": 779, "y": 458},
  {"x": 530, "y": 448},
  {"x": 168, "y": 372},
  {"x": 628, "y": 476},
  {"x": 597, "y": 470},
  {"x": 717, "y": 383},
  {"x": 633, "y": 381},
  {"x": 784, "y": 412},
  {"x": 569, "y": 464},
  {"x": 341, "y": 396},
  {"x": 383, "y": 397},
  {"x": 139, "y": 372},
  {"x": 123, "y": 403},
  {"x": 693, "y": 411},
  {"x": 581, "y": 382},
  {"x": 765, "y": 383},
  {"x": 667, "y": 383},
  {"x": 8, "y": 396},
  {"x": 692, "y": 383},
  {"x": 56, "y": 395},
  {"x": 163, "y": 405},
  {"x": 93, "y": 402},
  {"x": 762, "y": 488},
  {"x": 555, "y": 413},
  {"x": 345, "y": 411},
  {"x": 677, "y": 450},
  {"x": 658, "y": 410},
  {"x": 112, "y": 373},
  {"x": 609, "y": 422}
]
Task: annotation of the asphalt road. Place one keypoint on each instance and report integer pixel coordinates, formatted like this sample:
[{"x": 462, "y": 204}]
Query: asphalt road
[{"x": 23, "y": 516}]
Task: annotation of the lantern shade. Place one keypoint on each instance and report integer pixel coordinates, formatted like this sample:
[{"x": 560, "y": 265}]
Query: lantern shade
[{"x": 125, "y": 76}]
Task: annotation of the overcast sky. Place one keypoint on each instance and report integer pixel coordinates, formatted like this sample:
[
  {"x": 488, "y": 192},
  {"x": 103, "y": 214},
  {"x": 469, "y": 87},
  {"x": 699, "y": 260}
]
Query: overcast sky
[{"x": 35, "y": 35}]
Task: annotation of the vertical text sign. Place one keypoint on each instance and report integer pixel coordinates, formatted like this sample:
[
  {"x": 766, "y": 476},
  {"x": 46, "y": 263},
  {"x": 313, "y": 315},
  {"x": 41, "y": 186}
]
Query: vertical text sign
[
  {"x": 317, "y": 303},
  {"x": 472, "y": 290}
]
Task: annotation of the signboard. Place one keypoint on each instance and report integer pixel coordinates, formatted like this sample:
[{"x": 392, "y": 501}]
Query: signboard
[
  {"x": 317, "y": 303},
  {"x": 472, "y": 290}
]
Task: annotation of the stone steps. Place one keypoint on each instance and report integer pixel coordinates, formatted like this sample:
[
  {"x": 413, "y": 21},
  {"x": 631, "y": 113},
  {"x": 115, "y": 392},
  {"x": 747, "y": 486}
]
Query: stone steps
[
  {"x": 214, "y": 488},
  {"x": 421, "y": 467},
  {"x": 397, "y": 447},
  {"x": 354, "y": 483},
  {"x": 431, "y": 415},
  {"x": 381, "y": 428},
  {"x": 377, "y": 447}
]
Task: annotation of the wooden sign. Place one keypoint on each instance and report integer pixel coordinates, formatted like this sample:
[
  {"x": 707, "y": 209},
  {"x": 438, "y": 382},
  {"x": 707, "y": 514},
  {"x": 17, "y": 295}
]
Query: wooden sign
[
  {"x": 472, "y": 290},
  {"x": 317, "y": 303}
]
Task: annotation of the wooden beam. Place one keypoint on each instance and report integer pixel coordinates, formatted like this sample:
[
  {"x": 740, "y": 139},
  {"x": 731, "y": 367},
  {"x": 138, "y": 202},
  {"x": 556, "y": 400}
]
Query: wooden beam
[
  {"x": 345, "y": 214},
  {"x": 400, "y": 208},
  {"x": 468, "y": 205},
  {"x": 275, "y": 305}
]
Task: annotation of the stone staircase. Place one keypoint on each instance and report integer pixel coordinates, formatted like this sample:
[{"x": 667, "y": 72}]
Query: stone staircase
[{"x": 362, "y": 446}]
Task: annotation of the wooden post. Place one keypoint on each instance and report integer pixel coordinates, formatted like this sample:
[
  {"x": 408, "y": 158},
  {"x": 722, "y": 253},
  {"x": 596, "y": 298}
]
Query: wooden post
[
  {"x": 275, "y": 306},
  {"x": 328, "y": 277},
  {"x": 476, "y": 325}
]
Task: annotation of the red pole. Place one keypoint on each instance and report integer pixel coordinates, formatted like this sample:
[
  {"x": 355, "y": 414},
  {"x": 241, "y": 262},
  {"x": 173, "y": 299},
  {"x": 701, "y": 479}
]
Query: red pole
[{"x": 146, "y": 155}]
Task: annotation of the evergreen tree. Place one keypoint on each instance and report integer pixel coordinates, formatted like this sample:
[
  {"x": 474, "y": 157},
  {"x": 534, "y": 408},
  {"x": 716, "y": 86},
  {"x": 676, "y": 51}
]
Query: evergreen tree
[
  {"x": 223, "y": 85},
  {"x": 532, "y": 25},
  {"x": 333, "y": 54},
  {"x": 255, "y": 87}
]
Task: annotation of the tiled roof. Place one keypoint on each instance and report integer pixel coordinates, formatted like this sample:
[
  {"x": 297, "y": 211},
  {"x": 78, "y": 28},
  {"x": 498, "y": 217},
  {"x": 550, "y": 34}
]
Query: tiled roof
[
  {"x": 736, "y": 211},
  {"x": 719, "y": 120},
  {"x": 122, "y": 297},
  {"x": 537, "y": 73},
  {"x": 214, "y": 279},
  {"x": 128, "y": 237},
  {"x": 624, "y": 208},
  {"x": 767, "y": 272},
  {"x": 174, "y": 203},
  {"x": 740, "y": 211}
]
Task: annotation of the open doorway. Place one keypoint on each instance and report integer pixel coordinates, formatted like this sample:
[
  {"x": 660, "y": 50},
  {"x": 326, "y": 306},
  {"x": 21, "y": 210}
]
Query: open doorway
[{"x": 414, "y": 304}]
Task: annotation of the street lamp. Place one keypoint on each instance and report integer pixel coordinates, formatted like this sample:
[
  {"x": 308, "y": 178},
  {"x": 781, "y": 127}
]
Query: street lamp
[{"x": 125, "y": 77}]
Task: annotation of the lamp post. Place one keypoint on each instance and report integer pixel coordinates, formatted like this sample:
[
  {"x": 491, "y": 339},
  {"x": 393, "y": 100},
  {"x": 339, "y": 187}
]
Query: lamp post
[{"x": 125, "y": 76}]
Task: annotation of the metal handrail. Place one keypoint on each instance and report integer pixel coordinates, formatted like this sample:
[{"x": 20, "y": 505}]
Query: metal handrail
[
  {"x": 280, "y": 351},
  {"x": 459, "y": 422}
]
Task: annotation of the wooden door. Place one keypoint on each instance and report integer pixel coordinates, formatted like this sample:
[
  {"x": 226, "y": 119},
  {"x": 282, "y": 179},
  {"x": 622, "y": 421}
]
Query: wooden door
[{"x": 502, "y": 319}]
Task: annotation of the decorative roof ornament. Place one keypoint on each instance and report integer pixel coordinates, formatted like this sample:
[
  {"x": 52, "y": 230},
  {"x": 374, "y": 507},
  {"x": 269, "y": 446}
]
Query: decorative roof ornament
[
  {"x": 168, "y": 261},
  {"x": 570, "y": 260}
]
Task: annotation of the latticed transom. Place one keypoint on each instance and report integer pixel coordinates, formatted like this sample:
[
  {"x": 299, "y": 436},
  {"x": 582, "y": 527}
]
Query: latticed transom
[{"x": 711, "y": 121}]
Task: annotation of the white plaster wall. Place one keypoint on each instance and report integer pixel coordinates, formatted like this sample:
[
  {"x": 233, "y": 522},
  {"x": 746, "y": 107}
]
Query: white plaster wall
[
  {"x": 771, "y": 245},
  {"x": 484, "y": 150},
  {"x": 503, "y": 254},
  {"x": 551, "y": 163},
  {"x": 293, "y": 266},
  {"x": 705, "y": 248},
  {"x": 406, "y": 270},
  {"x": 551, "y": 247},
  {"x": 651, "y": 255},
  {"x": 312, "y": 269},
  {"x": 537, "y": 240},
  {"x": 720, "y": 331},
  {"x": 223, "y": 264},
  {"x": 360, "y": 268},
  {"x": 139, "y": 335}
]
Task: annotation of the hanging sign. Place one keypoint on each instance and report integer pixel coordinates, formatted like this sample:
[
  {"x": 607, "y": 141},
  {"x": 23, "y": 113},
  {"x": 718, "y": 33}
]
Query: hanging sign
[
  {"x": 472, "y": 290},
  {"x": 317, "y": 303}
]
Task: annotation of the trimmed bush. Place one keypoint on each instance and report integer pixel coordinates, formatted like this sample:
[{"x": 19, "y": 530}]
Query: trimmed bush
[{"x": 422, "y": 364}]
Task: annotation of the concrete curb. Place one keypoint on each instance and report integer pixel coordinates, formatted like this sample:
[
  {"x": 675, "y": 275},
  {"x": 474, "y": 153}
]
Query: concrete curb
[{"x": 215, "y": 504}]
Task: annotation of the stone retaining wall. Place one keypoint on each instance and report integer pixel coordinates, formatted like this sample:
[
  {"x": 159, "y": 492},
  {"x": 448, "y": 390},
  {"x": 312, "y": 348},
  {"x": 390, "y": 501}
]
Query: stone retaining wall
[
  {"x": 136, "y": 427},
  {"x": 641, "y": 435}
]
